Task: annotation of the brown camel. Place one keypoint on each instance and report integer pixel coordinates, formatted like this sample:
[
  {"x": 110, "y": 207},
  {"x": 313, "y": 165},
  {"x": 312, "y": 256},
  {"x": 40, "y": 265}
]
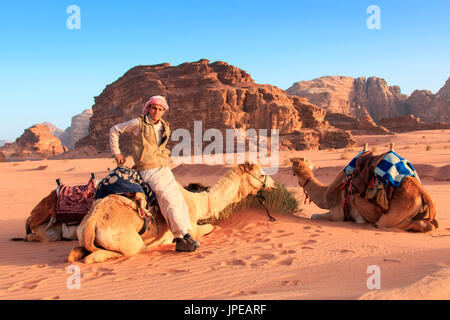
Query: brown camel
[
  {"x": 405, "y": 210},
  {"x": 111, "y": 228}
]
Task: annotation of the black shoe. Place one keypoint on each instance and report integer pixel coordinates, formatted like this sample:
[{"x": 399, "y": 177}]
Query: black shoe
[{"x": 186, "y": 244}]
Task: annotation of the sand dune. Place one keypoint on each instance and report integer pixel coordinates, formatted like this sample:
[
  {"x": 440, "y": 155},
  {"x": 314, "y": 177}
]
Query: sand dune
[{"x": 247, "y": 257}]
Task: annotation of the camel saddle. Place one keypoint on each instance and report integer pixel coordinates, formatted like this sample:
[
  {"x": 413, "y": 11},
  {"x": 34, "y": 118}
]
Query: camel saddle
[
  {"x": 375, "y": 177},
  {"x": 74, "y": 202}
]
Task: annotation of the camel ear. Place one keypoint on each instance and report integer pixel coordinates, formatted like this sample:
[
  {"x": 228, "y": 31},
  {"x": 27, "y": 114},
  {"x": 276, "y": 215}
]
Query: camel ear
[{"x": 246, "y": 167}]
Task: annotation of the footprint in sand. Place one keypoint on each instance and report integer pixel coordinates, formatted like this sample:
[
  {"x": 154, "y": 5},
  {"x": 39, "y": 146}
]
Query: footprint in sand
[
  {"x": 235, "y": 262},
  {"x": 286, "y": 262},
  {"x": 391, "y": 260},
  {"x": 346, "y": 251},
  {"x": 98, "y": 273},
  {"x": 241, "y": 293},
  {"x": 257, "y": 240},
  {"x": 267, "y": 256},
  {"x": 284, "y": 252},
  {"x": 285, "y": 235},
  {"x": 177, "y": 271},
  {"x": 28, "y": 285},
  {"x": 307, "y": 248},
  {"x": 289, "y": 283},
  {"x": 309, "y": 241},
  {"x": 307, "y": 227}
]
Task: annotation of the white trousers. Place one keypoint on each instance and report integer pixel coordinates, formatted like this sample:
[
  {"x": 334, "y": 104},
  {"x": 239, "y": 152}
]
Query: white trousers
[{"x": 171, "y": 202}]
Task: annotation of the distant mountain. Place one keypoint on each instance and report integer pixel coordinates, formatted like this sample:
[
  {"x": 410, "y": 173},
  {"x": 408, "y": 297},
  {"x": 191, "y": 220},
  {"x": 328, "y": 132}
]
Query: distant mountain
[
  {"x": 37, "y": 142},
  {"x": 57, "y": 132},
  {"x": 79, "y": 128},
  {"x": 2, "y": 142},
  {"x": 374, "y": 97}
]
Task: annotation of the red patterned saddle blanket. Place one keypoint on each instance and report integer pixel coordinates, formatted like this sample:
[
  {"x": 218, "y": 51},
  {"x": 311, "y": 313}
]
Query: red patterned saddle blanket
[{"x": 74, "y": 202}]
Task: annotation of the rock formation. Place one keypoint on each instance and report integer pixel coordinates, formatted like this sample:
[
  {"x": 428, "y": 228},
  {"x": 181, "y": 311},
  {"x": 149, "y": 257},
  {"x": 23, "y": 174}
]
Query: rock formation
[
  {"x": 357, "y": 126},
  {"x": 374, "y": 97},
  {"x": 37, "y": 142},
  {"x": 410, "y": 123},
  {"x": 430, "y": 107},
  {"x": 3, "y": 142},
  {"x": 79, "y": 128},
  {"x": 57, "y": 132},
  {"x": 217, "y": 94}
]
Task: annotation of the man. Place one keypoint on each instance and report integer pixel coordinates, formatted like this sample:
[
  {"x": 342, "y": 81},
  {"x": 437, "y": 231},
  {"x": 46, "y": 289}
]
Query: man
[{"x": 150, "y": 134}]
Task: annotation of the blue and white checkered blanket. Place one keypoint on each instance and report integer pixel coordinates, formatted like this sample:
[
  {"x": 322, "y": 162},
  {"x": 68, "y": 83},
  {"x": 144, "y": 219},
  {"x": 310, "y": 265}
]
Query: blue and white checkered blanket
[{"x": 391, "y": 170}]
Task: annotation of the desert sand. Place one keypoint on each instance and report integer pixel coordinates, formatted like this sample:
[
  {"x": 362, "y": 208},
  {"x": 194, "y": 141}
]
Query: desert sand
[{"x": 246, "y": 257}]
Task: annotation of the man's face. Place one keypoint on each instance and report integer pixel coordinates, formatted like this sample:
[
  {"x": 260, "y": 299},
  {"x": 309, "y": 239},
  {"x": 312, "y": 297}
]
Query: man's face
[{"x": 156, "y": 112}]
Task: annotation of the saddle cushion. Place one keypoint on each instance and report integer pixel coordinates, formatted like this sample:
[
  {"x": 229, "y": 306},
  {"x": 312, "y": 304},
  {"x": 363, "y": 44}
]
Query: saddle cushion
[
  {"x": 123, "y": 180},
  {"x": 391, "y": 169},
  {"x": 74, "y": 202}
]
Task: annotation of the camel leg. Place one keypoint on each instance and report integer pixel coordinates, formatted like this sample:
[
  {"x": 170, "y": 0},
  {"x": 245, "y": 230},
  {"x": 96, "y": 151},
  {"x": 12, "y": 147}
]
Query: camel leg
[
  {"x": 204, "y": 229},
  {"x": 126, "y": 241},
  {"x": 77, "y": 254},
  {"x": 416, "y": 226},
  {"x": 400, "y": 214},
  {"x": 101, "y": 255},
  {"x": 336, "y": 214},
  {"x": 115, "y": 243},
  {"x": 38, "y": 234}
]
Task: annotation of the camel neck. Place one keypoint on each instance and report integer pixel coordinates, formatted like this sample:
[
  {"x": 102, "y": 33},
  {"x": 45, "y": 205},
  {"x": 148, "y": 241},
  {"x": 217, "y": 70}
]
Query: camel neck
[
  {"x": 224, "y": 192},
  {"x": 316, "y": 191}
]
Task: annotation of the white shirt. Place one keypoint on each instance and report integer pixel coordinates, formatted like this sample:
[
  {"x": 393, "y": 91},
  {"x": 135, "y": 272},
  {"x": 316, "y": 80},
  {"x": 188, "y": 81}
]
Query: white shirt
[{"x": 133, "y": 128}]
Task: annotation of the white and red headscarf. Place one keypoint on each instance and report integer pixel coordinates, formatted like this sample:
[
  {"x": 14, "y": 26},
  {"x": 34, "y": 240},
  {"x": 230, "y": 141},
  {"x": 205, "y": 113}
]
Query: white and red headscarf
[{"x": 158, "y": 100}]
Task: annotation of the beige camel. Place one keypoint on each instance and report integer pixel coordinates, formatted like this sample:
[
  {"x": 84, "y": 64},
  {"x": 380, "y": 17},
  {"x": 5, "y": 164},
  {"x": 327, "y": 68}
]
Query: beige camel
[
  {"x": 405, "y": 208},
  {"x": 110, "y": 229}
]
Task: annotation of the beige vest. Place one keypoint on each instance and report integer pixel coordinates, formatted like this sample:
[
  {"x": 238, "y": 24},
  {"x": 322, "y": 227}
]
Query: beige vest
[{"x": 146, "y": 153}]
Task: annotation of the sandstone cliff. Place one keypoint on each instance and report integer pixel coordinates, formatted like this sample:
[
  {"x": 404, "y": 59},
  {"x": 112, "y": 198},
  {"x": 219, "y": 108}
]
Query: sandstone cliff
[
  {"x": 357, "y": 126},
  {"x": 373, "y": 96},
  {"x": 410, "y": 123},
  {"x": 79, "y": 128},
  {"x": 217, "y": 94},
  {"x": 37, "y": 142}
]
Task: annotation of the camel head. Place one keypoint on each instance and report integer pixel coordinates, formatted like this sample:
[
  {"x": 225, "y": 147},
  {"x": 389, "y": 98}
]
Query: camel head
[
  {"x": 254, "y": 178},
  {"x": 302, "y": 167}
]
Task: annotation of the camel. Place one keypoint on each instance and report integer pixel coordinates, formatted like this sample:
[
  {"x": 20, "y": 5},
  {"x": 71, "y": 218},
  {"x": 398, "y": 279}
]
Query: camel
[
  {"x": 404, "y": 212},
  {"x": 110, "y": 229},
  {"x": 42, "y": 225},
  {"x": 42, "y": 218}
]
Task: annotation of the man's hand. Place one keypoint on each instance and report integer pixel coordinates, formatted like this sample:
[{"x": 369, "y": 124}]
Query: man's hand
[{"x": 120, "y": 159}]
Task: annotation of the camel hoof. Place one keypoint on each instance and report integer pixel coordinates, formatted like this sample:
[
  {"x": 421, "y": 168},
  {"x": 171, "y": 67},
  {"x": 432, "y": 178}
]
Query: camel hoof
[
  {"x": 100, "y": 256},
  {"x": 77, "y": 253}
]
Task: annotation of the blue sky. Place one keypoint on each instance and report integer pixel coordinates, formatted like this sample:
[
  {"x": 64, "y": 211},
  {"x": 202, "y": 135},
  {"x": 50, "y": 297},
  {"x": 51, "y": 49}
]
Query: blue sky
[{"x": 50, "y": 73}]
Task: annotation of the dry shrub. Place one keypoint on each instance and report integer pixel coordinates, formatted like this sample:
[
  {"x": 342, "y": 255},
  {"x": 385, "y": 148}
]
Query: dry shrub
[
  {"x": 345, "y": 155},
  {"x": 279, "y": 200}
]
